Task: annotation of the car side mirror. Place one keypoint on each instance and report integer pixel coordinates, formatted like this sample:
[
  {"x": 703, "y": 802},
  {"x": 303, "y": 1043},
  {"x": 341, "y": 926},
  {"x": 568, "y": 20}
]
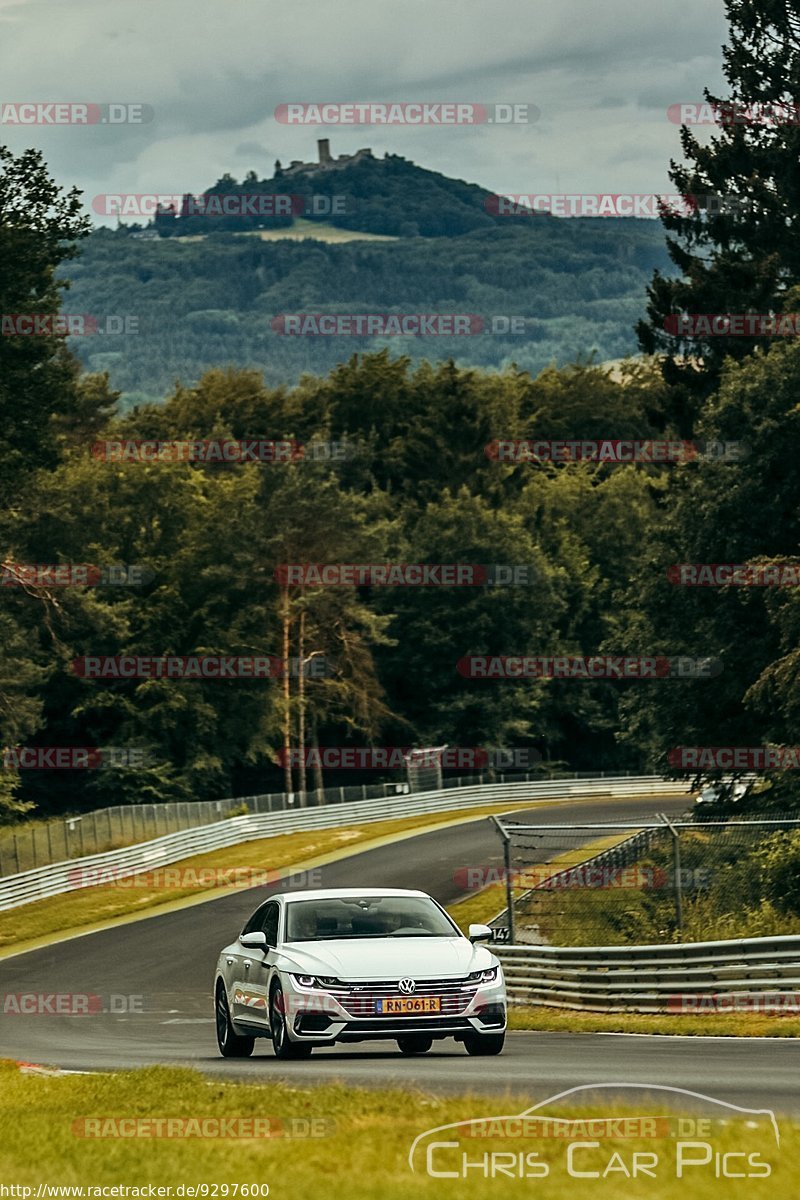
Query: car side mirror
[
  {"x": 254, "y": 941},
  {"x": 480, "y": 933}
]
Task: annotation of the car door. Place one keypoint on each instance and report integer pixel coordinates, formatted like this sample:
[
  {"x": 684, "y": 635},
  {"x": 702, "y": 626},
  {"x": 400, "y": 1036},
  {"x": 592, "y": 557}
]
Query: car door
[{"x": 252, "y": 968}]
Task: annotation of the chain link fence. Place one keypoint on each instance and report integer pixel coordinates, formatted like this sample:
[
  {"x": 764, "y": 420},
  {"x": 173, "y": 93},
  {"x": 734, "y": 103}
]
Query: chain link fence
[
  {"x": 646, "y": 881},
  {"x": 32, "y": 844}
]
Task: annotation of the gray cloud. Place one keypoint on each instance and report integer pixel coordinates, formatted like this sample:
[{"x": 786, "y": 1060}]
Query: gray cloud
[{"x": 215, "y": 72}]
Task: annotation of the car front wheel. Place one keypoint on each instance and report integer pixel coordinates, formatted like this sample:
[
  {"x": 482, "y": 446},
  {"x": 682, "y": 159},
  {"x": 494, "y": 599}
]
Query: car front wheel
[
  {"x": 231, "y": 1044},
  {"x": 282, "y": 1046},
  {"x": 484, "y": 1043}
]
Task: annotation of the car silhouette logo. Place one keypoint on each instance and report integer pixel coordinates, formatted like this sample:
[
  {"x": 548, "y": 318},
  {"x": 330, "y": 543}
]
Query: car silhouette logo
[{"x": 407, "y": 986}]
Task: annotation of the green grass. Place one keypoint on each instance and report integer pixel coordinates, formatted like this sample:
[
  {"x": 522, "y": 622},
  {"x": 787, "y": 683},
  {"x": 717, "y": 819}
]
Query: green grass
[
  {"x": 366, "y": 1155},
  {"x": 561, "y": 1020}
]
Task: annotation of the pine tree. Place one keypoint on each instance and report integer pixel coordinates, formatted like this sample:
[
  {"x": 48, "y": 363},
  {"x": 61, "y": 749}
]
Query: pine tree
[
  {"x": 737, "y": 244},
  {"x": 39, "y": 227}
]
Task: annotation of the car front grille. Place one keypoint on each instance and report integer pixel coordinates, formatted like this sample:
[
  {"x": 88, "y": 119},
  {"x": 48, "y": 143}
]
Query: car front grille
[{"x": 358, "y": 999}]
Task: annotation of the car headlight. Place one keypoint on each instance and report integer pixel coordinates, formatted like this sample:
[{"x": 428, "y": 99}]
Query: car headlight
[
  {"x": 487, "y": 976},
  {"x": 316, "y": 981}
]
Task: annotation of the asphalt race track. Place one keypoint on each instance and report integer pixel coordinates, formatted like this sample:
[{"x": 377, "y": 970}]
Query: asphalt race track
[{"x": 163, "y": 968}]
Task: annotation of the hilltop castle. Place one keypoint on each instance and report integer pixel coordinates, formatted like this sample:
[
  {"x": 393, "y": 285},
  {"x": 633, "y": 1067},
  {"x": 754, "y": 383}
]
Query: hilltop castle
[{"x": 326, "y": 161}]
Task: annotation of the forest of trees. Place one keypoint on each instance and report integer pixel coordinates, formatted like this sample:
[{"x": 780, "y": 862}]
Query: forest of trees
[
  {"x": 579, "y": 284},
  {"x": 419, "y": 488}
]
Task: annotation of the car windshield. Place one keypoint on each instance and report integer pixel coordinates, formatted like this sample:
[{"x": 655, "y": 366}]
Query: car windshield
[{"x": 366, "y": 917}]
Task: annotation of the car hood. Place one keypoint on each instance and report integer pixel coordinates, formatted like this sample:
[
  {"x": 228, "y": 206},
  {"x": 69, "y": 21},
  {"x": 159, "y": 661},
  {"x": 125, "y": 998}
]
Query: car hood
[{"x": 388, "y": 958}]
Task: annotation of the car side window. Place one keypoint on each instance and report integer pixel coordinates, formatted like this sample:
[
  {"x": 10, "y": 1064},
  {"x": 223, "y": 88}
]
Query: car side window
[
  {"x": 256, "y": 922},
  {"x": 270, "y": 923}
]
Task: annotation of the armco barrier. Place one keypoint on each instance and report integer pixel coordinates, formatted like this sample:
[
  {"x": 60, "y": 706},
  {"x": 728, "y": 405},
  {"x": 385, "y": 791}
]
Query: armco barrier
[
  {"x": 761, "y": 974},
  {"x": 68, "y": 876},
  {"x": 31, "y": 844}
]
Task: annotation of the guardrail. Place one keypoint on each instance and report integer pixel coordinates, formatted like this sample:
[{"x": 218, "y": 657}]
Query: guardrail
[
  {"x": 37, "y": 843},
  {"x": 76, "y": 873},
  {"x": 31, "y": 844},
  {"x": 749, "y": 973}
]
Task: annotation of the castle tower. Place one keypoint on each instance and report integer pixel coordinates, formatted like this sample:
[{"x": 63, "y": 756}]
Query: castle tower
[{"x": 324, "y": 148}]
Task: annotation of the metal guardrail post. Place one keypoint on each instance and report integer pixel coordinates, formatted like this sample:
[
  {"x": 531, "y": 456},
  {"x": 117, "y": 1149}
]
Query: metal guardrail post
[
  {"x": 507, "y": 873},
  {"x": 676, "y": 856}
]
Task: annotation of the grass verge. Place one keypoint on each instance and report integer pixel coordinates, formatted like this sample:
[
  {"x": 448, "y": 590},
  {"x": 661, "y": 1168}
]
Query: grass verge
[
  {"x": 744, "y": 1024},
  {"x": 369, "y": 1136}
]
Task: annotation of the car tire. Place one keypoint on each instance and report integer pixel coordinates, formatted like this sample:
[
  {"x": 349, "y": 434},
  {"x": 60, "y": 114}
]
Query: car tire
[
  {"x": 414, "y": 1043},
  {"x": 484, "y": 1043},
  {"x": 282, "y": 1046},
  {"x": 231, "y": 1044}
]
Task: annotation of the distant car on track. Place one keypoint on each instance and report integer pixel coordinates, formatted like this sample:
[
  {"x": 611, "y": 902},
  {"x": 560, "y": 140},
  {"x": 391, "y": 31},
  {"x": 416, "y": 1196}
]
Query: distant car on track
[
  {"x": 313, "y": 968},
  {"x": 713, "y": 792}
]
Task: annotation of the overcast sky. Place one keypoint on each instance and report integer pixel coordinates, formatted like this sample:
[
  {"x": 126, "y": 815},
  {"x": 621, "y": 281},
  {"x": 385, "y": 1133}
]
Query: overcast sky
[{"x": 214, "y": 71}]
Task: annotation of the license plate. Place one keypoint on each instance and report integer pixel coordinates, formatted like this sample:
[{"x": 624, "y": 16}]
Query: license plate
[{"x": 409, "y": 1004}]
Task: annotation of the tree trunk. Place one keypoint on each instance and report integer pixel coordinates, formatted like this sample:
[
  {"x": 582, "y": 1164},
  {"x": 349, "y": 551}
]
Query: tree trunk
[
  {"x": 319, "y": 783},
  {"x": 286, "y": 621},
  {"x": 301, "y": 703}
]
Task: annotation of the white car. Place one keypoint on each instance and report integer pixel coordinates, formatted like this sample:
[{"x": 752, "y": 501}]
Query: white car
[
  {"x": 352, "y": 964},
  {"x": 712, "y": 792}
]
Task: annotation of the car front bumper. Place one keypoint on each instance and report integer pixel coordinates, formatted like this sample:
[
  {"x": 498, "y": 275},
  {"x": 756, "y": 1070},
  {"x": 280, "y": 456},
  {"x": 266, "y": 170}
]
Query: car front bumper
[{"x": 320, "y": 1016}]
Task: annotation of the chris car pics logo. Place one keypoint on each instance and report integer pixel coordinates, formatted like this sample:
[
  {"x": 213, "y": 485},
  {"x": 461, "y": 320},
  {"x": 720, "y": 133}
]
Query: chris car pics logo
[{"x": 643, "y": 1138}]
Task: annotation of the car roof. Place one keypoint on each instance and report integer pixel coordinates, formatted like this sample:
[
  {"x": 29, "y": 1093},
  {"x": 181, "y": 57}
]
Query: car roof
[{"x": 339, "y": 893}]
